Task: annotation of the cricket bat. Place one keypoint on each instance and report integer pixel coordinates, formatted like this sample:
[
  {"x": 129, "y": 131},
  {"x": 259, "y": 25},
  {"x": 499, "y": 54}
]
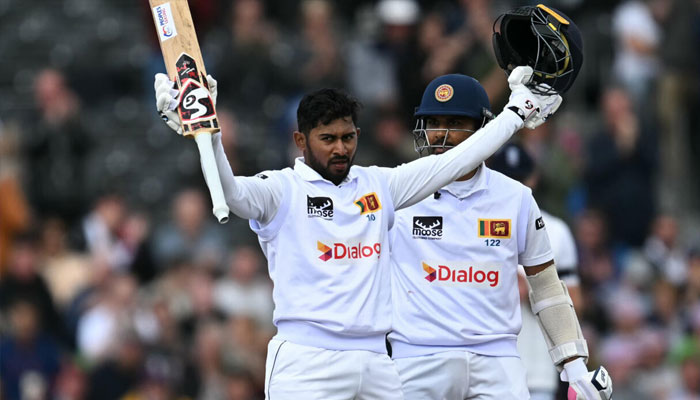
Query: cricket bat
[{"x": 183, "y": 62}]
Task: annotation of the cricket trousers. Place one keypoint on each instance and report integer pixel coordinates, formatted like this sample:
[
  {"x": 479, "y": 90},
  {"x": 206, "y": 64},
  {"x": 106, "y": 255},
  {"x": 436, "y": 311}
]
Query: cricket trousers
[
  {"x": 461, "y": 375},
  {"x": 295, "y": 372}
]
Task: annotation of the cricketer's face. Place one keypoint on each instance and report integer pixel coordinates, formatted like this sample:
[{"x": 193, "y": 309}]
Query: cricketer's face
[
  {"x": 447, "y": 131},
  {"x": 330, "y": 149}
]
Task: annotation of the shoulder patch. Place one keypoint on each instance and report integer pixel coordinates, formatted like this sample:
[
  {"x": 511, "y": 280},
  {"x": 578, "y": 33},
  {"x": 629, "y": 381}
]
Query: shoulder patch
[{"x": 539, "y": 223}]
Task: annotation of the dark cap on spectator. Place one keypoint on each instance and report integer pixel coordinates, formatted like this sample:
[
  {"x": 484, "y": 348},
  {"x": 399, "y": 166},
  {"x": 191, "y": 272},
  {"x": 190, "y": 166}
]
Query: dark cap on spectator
[{"x": 513, "y": 161}]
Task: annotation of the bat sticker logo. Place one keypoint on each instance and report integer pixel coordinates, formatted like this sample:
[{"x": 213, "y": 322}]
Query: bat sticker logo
[
  {"x": 196, "y": 103},
  {"x": 162, "y": 15}
]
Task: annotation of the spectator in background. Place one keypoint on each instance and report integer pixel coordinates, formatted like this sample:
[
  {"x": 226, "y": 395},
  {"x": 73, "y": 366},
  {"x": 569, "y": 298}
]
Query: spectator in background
[
  {"x": 389, "y": 144},
  {"x": 14, "y": 209},
  {"x": 98, "y": 234},
  {"x": 692, "y": 289},
  {"x": 664, "y": 250},
  {"x": 23, "y": 282},
  {"x": 398, "y": 42},
  {"x": 244, "y": 57},
  {"x": 56, "y": 147},
  {"x": 469, "y": 49},
  {"x": 619, "y": 170},
  {"x": 245, "y": 349},
  {"x": 29, "y": 361},
  {"x": 656, "y": 378},
  {"x": 665, "y": 307},
  {"x": 119, "y": 373},
  {"x": 622, "y": 349},
  {"x": 557, "y": 148},
  {"x": 677, "y": 103},
  {"x": 191, "y": 234},
  {"x": 687, "y": 356},
  {"x": 66, "y": 271},
  {"x": 322, "y": 64},
  {"x": 137, "y": 245},
  {"x": 71, "y": 383},
  {"x": 207, "y": 355},
  {"x": 636, "y": 62},
  {"x": 244, "y": 291},
  {"x": 105, "y": 323}
]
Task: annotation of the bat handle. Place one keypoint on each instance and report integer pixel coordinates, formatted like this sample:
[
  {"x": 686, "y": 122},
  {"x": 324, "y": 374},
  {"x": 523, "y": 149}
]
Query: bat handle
[{"x": 211, "y": 176}]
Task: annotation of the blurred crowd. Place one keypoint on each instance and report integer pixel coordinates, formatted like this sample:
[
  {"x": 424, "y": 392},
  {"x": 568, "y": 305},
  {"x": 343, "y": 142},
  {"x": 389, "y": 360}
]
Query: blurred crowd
[{"x": 117, "y": 283}]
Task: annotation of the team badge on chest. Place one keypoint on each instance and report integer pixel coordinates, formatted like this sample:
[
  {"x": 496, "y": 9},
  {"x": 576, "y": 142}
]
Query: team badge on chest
[
  {"x": 368, "y": 203},
  {"x": 494, "y": 228}
]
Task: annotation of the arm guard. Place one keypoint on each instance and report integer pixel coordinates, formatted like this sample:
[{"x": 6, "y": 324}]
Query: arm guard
[{"x": 555, "y": 313}]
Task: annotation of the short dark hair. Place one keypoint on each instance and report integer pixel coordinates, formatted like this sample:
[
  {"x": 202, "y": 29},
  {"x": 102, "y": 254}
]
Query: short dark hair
[{"x": 324, "y": 106}]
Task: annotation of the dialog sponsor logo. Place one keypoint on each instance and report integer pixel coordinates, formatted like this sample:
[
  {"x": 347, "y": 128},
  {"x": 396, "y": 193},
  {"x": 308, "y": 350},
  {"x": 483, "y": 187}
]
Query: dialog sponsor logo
[
  {"x": 345, "y": 251},
  {"x": 469, "y": 275}
]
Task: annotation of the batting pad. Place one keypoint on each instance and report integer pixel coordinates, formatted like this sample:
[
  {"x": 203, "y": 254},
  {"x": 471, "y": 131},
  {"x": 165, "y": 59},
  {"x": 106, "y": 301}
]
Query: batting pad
[{"x": 555, "y": 313}]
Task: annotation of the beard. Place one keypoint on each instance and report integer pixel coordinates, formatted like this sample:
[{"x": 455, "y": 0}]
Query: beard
[{"x": 327, "y": 171}]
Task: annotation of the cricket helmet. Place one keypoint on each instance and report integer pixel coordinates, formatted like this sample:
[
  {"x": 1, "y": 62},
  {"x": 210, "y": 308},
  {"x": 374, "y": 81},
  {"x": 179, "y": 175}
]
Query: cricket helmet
[
  {"x": 452, "y": 94},
  {"x": 544, "y": 39}
]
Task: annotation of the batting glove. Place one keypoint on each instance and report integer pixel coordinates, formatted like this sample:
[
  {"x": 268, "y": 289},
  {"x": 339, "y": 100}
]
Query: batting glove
[
  {"x": 585, "y": 385},
  {"x": 549, "y": 105},
  {"x": 168, "y": 98},
  {"x": 534, "y": 109}
]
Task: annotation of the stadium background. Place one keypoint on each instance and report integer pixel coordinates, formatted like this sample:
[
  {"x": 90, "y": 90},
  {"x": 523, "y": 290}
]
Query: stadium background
[{"x": 116, "y": 282}]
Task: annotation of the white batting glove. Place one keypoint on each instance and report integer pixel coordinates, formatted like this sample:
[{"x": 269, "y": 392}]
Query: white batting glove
[
  {"x": 549, "y": 105},
  {"x": 168, "y": 98},
  {"x": 585, "y": 385},
  {"x": 522, "y": 101},
  {"x": 534, "y": 109}
]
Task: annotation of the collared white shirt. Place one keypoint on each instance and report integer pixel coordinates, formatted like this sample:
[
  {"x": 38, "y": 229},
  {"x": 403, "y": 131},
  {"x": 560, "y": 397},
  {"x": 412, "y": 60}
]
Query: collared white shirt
[
  {"x": 326, "y": 244},
  {"x": 454, "y": 266}
]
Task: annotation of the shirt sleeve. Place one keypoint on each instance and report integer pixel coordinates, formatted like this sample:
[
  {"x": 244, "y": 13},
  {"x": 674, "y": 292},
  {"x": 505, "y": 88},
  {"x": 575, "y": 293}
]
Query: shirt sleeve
[
  {"x": 537, "y": 248},
  {"x": 257, "y": 197},
  {"x": 412, "y": 182}
]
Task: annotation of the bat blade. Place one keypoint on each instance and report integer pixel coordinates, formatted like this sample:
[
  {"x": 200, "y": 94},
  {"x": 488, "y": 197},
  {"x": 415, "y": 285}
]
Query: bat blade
[{"x": 185, "y": 66}]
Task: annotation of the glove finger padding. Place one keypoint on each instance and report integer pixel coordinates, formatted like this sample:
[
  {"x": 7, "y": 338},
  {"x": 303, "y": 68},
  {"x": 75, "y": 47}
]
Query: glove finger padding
[
  {"x": 167, "y": 102},
  {"x": 520, "y": 76},
  {"x": 213, "y": 90}
]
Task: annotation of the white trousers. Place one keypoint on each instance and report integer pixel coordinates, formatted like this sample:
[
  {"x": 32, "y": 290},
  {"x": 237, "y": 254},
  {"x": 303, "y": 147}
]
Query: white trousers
[
  {"x": 296, "y": 372},
  {"x": 461, "y": 375}
]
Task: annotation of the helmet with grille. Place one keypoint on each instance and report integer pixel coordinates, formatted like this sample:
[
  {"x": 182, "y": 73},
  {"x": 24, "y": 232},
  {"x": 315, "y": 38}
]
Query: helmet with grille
[{"x": 544, "y": 39}]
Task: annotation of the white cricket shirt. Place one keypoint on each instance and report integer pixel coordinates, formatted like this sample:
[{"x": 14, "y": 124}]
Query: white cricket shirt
[
  {"x": 455, "y": 263},
  {"x": 327, "y": 245}
]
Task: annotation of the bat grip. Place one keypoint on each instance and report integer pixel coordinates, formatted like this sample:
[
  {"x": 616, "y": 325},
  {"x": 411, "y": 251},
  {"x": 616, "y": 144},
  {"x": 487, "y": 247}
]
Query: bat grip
[{"x": 211, "y": 176}]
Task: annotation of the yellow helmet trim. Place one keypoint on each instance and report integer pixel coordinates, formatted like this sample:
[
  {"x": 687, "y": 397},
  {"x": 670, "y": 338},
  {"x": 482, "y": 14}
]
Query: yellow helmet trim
[{"x": 553, "y": 14}]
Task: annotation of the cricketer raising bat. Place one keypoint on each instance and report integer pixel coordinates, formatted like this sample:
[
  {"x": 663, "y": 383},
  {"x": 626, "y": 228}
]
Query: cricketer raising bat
[{"x": 183, "y": 62}]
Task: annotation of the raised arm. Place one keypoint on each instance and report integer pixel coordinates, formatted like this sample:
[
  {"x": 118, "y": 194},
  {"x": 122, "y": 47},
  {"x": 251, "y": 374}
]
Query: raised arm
[
  {"x": 255, "y": 198},
  {"x": 412, "y": 182}
]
